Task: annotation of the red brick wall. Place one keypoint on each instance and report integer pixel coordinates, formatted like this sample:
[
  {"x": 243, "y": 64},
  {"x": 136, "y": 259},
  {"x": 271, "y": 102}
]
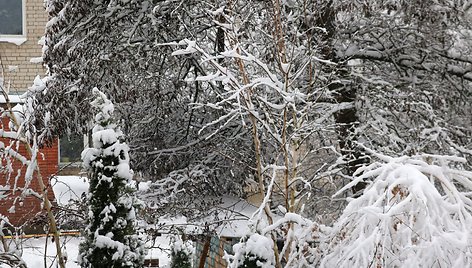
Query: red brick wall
[{"x": 26, "y": 208}]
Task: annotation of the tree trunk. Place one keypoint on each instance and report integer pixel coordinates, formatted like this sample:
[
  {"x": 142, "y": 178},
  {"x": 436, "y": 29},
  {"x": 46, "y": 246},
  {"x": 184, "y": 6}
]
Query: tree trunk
[
  {"x": 206, "y": 248},
  {"x": 345, "y": 92}
]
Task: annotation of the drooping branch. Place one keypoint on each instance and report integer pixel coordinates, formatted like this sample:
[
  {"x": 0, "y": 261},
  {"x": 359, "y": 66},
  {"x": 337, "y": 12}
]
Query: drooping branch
[{"x": 408, "y": 62}]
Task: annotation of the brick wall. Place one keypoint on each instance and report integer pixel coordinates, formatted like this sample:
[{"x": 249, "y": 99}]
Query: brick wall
[
  {"x": 21, "y": 78},
  {"x": 30, "y": 206}
]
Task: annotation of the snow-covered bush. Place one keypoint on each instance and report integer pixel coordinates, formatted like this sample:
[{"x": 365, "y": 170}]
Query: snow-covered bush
[
  {"x": 182, "y": 252},
  {"x": 110, "y": 237},
  {"x": 256, "y": 251},
  {"x": 415, "y": 213}
]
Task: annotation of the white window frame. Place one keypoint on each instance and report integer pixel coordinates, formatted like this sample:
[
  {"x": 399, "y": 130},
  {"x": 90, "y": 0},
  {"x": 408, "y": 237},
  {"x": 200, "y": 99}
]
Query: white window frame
[{"x": 14, "y": 38}]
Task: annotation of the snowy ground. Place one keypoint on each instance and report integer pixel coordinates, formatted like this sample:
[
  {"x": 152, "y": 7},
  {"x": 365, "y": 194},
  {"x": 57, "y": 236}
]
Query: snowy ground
[{"x": 34, "y": 248}]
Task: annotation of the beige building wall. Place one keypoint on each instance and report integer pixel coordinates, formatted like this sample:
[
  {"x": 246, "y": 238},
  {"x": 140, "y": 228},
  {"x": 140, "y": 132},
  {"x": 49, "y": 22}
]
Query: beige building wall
[{"x": 18, "y": 71}]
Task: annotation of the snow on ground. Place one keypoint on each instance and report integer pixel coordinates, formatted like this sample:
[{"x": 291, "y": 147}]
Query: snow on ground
[
  {"x": 33, "y": 251},
  {"x": 160, "y": 250},
  {"x": 34, "y": 248},
  {"x": 67, "y": 188}
]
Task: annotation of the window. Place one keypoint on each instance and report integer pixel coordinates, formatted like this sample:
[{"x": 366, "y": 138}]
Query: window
[
  {"x": 70, "y": 148},
  {"x": 12, "y": 21}
]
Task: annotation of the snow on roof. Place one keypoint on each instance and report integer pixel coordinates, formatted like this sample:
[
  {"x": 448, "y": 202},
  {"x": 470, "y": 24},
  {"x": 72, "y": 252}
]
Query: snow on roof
[
  {"x": 13, "y": 98},
  {"x": 67, "y": 188},
  {"x": 233, "y": 215},
  {"x": 228, "y": 219}
]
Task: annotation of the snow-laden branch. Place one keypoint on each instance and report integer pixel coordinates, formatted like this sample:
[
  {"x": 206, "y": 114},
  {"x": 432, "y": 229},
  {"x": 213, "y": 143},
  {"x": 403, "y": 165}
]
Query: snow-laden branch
[{"x": 416, "y": 211}]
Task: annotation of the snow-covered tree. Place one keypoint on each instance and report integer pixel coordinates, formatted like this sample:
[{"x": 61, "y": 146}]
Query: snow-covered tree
[
  {"x": 254, "y": 251},
  {"x": 111, "y": 239},
  {"x": 403, "y": 67},
  {"x": 113, "y": 45},
  {"x": 422, "y": 54},
  {"x": 20, "y": 143}
]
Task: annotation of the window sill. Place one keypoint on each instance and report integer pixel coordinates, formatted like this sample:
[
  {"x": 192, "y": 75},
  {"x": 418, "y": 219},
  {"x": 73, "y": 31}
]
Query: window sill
[{"x": 17, "y": 40}]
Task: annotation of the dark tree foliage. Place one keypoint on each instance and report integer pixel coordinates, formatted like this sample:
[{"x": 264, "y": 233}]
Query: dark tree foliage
[
  {"x": 180, "y": 259},
  {"x": 408, "y": 63},
  {"x": 114, "y": 45},
  {"x": 404, "y": 64}
]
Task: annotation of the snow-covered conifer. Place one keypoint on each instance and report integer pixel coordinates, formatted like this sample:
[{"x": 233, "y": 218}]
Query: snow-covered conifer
[{"x": 110, "y": 237}]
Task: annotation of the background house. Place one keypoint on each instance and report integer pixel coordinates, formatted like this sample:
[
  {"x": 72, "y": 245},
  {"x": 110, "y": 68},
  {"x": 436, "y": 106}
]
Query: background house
[
  {"x": 21, "y": 28},
  {"x": 228, "y": 222},
  {"x": 22, "y": 24}
]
